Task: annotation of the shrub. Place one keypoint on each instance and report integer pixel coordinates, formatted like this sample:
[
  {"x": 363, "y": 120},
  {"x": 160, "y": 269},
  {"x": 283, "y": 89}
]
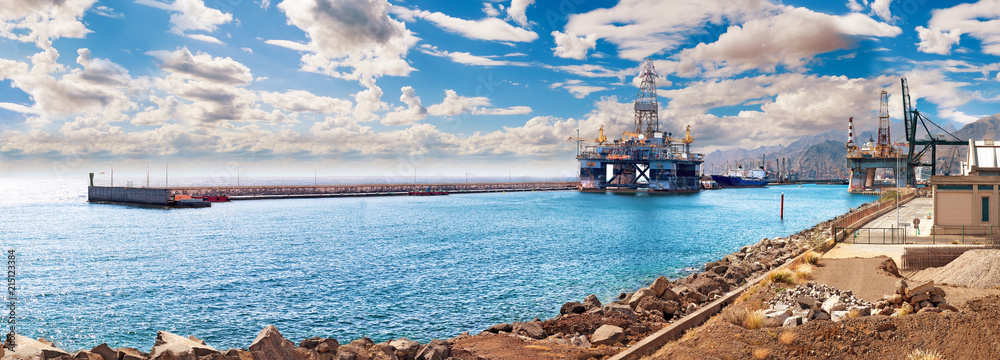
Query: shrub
[
  {"x": 811, "y": 257},
  {"x": 787, "y": 337},
  {"x": 754, "y": 319},
  {"x": 919, "y": 354},
  {"x": 853, "y": 313},
  {"x": 761, "y": 353},
  {"x": 734, "y": 316},
  {"x": 803, "y": 272},
  {"x": 782, "y": 276}
]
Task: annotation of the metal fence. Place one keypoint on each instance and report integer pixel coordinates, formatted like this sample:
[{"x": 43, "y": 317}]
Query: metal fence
[{"x": 872, "y": 235}]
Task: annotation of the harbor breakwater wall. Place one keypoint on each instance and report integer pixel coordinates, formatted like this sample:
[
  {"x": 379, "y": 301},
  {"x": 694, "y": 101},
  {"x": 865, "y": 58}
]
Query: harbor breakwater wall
[
  {"x": 275, "y": 191},
  {"x": 128, "y": 195}
]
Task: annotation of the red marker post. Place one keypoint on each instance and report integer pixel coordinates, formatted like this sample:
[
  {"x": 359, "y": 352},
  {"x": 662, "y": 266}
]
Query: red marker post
[{"x": 782, "y": 206}]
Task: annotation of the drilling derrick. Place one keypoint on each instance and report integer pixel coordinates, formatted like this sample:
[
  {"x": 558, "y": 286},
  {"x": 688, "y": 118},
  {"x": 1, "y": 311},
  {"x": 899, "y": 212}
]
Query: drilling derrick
[
  {"x": 647, "y": 120},
  {"x": 883, "y": 147}
]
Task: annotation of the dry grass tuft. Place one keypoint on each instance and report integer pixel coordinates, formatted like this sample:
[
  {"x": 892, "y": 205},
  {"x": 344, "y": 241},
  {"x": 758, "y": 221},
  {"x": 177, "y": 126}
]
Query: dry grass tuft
[
  {"x": 782, "y": 276},
  {"x": 754, "y": 320},
  {"x": 811, "y": 257},
  {"x": 853, "y": 313},
  {"x": 786, "y": 337},
  {"x": 803, "y": 273},
  {"x": 919, "y": 354},
  {"x": 734, "y": 316},
  {"x": 954, "y": 242},
  {"x": 761, "y": 353}
]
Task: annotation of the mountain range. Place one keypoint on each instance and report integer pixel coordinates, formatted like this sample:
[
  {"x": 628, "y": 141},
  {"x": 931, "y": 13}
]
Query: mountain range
[{"x": 823, "y": 155}]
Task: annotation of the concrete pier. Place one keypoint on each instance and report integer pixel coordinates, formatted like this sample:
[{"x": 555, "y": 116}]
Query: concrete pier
[{"x": 163, "y": 196}]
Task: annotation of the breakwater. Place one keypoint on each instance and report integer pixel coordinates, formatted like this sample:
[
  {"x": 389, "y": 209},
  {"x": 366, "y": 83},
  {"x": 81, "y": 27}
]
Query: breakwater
[{"x": 163, "y": 196}]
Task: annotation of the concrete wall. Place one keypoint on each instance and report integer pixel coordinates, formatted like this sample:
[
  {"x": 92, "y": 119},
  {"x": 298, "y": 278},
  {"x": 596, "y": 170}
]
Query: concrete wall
[
  {"x": 148, "y": 196},
  {"x": 354, "y": 189},
  {"x": 960, "y": 211}
]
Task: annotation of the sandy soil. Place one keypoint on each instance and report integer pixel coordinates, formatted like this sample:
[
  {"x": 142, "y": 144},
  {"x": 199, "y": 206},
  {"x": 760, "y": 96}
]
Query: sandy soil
[
  {"x": 503, "y": 347},
  {"x": 971, "y": 335},
  {"x": 860, "y": 276}
]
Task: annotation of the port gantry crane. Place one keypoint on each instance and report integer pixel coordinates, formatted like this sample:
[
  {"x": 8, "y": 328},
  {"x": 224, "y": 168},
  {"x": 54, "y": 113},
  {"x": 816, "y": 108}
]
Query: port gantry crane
[{"x": 911, "y": 118}]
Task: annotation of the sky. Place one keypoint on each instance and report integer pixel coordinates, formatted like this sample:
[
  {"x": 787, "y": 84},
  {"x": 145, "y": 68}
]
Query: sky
[{"x": 487, "y": 88}]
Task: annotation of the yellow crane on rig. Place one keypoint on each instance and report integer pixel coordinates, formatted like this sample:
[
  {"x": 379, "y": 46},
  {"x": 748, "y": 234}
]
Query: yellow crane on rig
[{"x": 600, "y": 137}]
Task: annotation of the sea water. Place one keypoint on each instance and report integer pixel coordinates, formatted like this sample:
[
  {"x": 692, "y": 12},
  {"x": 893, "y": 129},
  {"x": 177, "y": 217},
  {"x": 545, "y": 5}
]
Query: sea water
[{"x": 381, "y": 267}]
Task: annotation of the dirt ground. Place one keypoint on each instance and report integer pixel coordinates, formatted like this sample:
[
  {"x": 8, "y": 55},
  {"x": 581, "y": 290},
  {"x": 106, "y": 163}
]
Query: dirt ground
[
  {"x": 503, "y": 347},
  {"x": 974, "y": 334},
  {"x": 861, "y": 276}
]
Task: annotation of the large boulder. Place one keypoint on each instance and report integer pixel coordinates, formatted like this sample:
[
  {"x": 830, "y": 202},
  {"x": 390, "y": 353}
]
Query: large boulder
[
  {"x": 181, "y": 347},
  {"x": 270, "y": 345},
  {"x": 920, "y": 288},
  {"x": 28, "y": 348},
  {"x": 405, "y": 348},
  {"x": 607, "y": 335},
  {"x": 128, "y": 353},
  {"x": 624, "y": 310},
  {"x": 532, "y": 329},
  {"x": 435, "y": 350},
  {"x": 660, "y": 285},
  {"x": 833, "y": 303},
  {"x": 105, "y": 351},
  {"x": 572, "y": 307},
  {"x": 591, "y": 302},
  {"x": 505, "y": 327},
  {"x": 633, "y": 301}
]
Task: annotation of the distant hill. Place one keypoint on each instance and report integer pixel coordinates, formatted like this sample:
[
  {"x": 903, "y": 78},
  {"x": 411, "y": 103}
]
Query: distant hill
[{"x": 823, "y": 155}]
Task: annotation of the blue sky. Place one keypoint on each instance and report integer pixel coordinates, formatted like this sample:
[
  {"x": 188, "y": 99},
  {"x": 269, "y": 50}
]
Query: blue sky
[{"x": 376, "y": 87}]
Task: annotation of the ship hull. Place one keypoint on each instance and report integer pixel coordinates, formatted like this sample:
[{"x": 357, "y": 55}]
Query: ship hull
[{"x": 727, "y": 182}]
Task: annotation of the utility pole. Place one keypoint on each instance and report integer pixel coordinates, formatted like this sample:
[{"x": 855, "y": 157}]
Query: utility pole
[
  {"x": 112, "y": 174},
  {"x": 166, "y": 173},
  {"x": 147, "y": 174}
]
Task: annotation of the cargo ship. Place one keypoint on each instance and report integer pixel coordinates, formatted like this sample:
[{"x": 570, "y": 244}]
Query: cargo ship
[
  {"x": 740, "y": 179},
  {"x": 645, "y": 159}
]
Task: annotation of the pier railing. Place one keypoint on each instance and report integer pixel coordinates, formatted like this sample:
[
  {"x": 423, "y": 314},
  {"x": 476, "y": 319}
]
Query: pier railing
[{"x": 859, "y": 217}]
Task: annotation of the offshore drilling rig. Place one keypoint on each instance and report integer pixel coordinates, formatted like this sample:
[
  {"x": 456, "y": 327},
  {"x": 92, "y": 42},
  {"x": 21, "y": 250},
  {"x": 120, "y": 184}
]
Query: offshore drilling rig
[
  {"x": 873, "y": 155},
  {"x": 645, "y": 159}
]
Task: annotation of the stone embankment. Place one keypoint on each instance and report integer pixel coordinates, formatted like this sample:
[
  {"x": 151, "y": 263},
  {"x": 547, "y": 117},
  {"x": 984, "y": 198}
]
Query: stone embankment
[{"x": 269, "y": 345}]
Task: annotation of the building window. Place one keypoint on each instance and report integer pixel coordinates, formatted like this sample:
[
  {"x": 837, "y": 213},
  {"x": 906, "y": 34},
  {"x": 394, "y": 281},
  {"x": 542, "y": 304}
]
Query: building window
[
  {"x": 985, "y": 187},
  {"x": 986, "y": 209},
  {"x": 954, "y": 187}
]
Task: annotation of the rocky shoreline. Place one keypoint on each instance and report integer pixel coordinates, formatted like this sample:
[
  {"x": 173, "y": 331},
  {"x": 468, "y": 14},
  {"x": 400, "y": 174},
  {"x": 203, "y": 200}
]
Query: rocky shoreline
[{"x": 587, "y": 328}]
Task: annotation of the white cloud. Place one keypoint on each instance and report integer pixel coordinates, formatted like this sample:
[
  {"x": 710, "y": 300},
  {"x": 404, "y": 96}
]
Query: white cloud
[
  {"x": 203, "y": 66},
  {"x": 978, "y": 20},
  {"x": 881, "y": 9},
  {"x": 790, "y": 38},
  {"x": 855, "y": 6},
  {"x": 935, "y": 41},
  {"x": 577, "y": 88},
  {"x": 513, "y": 110},
  {"x": 249, "y": 50},
  {"x": 108, "y": 12},
  {"x": 491, "y": 29},
  {"x": 302, "y": 101},
  {"x": 205, "y": 38},
  {"x": 591, "y": 70},
  {"x": 490, "y": 10},
  {"x": 467, "y": 58},
  {"x": 191, "y": 15},
  {"x": 409, "y": 115},
  {"x": 641, "y": 28},
  {"x": 288, "y": 44},
  {"x": 453, "y": 104},
  {"x": 517, "y": 10},
  {"x": 573, "y": 47},
  {"x": 37, "y": 20},
  {"x": 354, "y": 34}
]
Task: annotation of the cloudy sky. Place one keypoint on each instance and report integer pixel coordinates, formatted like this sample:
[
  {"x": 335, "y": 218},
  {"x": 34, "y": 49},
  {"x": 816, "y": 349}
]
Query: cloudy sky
[{"x": 377, "y": 87}]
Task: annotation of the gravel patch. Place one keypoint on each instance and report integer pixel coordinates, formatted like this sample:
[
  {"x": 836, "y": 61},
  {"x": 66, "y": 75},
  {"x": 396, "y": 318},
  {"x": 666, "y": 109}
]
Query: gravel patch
[{"x": 975, "y": 268}]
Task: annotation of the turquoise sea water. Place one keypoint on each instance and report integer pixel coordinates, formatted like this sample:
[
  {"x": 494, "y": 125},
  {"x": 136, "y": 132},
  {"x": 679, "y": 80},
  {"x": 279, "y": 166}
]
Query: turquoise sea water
[{"x": 382, "y": 267}]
